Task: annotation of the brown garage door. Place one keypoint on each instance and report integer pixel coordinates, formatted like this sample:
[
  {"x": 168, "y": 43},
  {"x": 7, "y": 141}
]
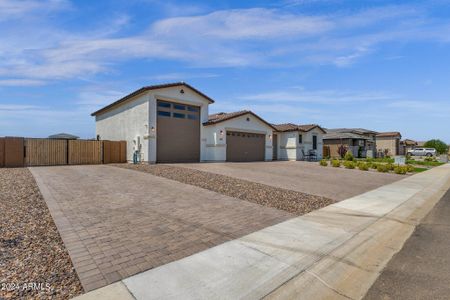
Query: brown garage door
[
  {"x": 245, "y": 146},
  {"x": 178, "y": 132}
]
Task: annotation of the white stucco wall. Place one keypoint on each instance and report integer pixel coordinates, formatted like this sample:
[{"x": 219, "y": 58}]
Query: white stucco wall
[
  {"x": 216, "y": 143},
  {"x": 126, "y": 122},
  {"x": 137, "y": 116},
  {"x": 289, "y": 147}
]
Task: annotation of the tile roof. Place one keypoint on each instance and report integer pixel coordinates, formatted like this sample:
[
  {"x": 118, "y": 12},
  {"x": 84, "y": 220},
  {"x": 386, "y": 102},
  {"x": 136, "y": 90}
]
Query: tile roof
[
  {"x": 294, "y": 127},
  {"x": 409, "y": 142},
  {"x": 148, "y": 88},
  {"x": 222, "y": 116},
  {"x": 352, "y": 130},
  {"x": 389, "y": 134},
  {"x": 344, "y": 135}
]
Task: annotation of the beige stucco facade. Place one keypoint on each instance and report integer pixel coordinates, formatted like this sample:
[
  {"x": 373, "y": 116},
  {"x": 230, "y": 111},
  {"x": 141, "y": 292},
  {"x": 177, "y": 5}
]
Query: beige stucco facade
[{"x": 391, "y": 145}]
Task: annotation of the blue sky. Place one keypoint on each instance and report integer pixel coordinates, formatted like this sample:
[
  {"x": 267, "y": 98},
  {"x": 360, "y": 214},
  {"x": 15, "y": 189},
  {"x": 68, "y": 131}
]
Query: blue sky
[{"x": 381, "y": 65}]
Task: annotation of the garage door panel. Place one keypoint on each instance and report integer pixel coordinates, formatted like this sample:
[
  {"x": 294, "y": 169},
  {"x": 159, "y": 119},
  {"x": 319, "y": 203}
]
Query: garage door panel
[
  {"x": 244, "y": 146},
  {"x": 178, "y": 133}
]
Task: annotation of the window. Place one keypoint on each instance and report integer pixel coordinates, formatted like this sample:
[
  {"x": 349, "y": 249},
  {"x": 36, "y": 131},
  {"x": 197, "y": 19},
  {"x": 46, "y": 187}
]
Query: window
[
  {"x": 179, "y": 116},
  {"x": 300, "y": 138},
  {"x": 192, "y": 117},
  {"x": 179, "y": 107},
  {"x": 315, "y": 142},
  {"x": 163, "y": 113},
  {"x": 192, "y": 108},
  {"x": 163, "y": 104}
]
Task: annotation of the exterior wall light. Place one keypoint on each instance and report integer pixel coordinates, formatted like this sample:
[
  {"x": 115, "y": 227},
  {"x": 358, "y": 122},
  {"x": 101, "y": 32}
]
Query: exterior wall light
[
  {"x": 221, "y": 132},
  {"x": 270, "y": 136},
  {"x": 181, "y": 91},
  {"x": 152, "y": 129}
]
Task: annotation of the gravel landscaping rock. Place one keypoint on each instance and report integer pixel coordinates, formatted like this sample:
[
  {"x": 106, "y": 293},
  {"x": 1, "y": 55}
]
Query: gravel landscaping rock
[
  {"x": 291, "y": 201},
  {"x": 34, "y": 264}
]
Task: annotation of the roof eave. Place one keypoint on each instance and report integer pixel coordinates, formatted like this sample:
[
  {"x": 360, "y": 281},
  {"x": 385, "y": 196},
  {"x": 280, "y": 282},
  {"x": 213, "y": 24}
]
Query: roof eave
[{"x": 146, "y": 89}]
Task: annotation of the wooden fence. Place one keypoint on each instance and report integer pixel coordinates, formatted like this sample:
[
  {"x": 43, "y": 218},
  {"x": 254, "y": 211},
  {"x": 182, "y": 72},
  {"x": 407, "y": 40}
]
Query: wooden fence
[
  {"x": 86, "y": 152},
  {"x": 20, "y": 152}
]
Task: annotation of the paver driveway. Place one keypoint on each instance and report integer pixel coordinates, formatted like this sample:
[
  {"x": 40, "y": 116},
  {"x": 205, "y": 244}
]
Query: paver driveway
[
  {"x": 117, "y": 222},
  {"x": 307, "y": 177}
]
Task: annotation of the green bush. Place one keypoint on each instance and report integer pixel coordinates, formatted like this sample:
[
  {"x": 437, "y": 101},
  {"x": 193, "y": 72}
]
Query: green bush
[
  {"x": 323, "y": 163},
  {"x": 424, "y": 163},
  {"x": 349, "y": 164},
  {"x": 363, "y": 166},
  {"x": 390, "y": 167},
  {"x": 440, "y": 146},
  {"x": 336, "y": 163},
  {"x": 410, "y": 168},
  {"x": 400, "y": 170},
  {"x": 348, "y": 156},
  {"x": 374, "y": 165},
  {"x": 430, "y": 159},
  {"x": 382, "y": 168}
]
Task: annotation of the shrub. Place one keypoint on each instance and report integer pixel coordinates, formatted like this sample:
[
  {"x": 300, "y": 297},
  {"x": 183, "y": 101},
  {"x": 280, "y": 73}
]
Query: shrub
[
  {"x": 342, "y": 150},
  {"x": 439, "y": 145},
  {"x": 349, "y": 156},
  {"x": 374, "y": 166},
  {"x": 363, "y": 166},
  {"x": 349, "y": 164},
  {"x": 390, "y": 167},
  {"x": 432, "y": 158},
  {"x": 400, "y": 170},
  {"x": 323, "y": 163},
  {"x": 410, "y": 168},
  {"x": 336, "y": 163},
  {"x": 382, "y": 168}
]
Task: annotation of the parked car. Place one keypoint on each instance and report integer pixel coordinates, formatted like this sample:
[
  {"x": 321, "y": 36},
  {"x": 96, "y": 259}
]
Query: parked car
[{"x": 422, "y": 152}]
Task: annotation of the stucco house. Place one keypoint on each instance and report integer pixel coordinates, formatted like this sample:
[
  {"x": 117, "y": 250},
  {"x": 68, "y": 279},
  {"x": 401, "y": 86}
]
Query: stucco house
[
  {"x": 238, "y": 136},
  {"x": 171, "y": 123},
  {"x": 388, "y": 143},
  {"x": 292, "y": 141},
  {"x": 361, "y": 142}
]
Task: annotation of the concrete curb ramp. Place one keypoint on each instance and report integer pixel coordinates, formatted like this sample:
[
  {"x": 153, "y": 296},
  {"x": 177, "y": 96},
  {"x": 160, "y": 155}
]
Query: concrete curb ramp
[{"x": 336, "y": 252}]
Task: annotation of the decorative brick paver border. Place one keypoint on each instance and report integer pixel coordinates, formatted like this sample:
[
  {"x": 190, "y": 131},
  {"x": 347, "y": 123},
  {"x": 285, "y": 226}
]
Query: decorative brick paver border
[{"x": 116, "y": 222}]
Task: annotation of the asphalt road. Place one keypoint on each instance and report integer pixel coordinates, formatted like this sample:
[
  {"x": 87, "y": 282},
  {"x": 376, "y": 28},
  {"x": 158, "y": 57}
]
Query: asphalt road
[{"x": 421, "y": 270}]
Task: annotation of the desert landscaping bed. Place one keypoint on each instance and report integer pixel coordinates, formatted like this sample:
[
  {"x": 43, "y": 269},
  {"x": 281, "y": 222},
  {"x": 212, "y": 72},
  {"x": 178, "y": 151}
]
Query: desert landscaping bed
[
  {"x": 287, "y": 200},
  {"x": 34, "y": 264}
]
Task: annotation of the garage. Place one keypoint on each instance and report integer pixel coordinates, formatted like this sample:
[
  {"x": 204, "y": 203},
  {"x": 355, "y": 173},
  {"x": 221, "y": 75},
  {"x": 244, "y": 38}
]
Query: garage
[
  {"x": 178, "y": 132},
  {"x": 245, "y": 146}
]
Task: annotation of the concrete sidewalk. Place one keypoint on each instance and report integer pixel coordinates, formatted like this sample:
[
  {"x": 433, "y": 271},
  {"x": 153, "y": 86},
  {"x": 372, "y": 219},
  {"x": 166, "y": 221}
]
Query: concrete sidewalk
[{"x": 335, "y": 252}]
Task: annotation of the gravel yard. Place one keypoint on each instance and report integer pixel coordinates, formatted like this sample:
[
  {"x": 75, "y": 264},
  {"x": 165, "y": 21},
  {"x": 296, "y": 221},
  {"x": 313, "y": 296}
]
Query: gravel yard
[
  {"x": 291, "y": 201},
  {"x": 31, "y": 250}
]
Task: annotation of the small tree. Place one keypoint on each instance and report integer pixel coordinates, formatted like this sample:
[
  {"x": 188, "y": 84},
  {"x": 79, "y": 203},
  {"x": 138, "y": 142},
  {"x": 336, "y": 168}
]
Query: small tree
[
  {"x": 342, "y": 150},
  {"x": 440, "y": 146}
]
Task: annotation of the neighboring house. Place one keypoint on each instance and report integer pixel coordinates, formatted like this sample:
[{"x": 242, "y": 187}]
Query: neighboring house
[
  {"x": 170, "y": 123},
  {"x": 407, "y": 145},
  {"x": 291, "y": 141},
  {"x": 360, "y": 141},
  {"x": 238, "y": 136},
  {"x": 63, "y": 136},
  {"x": 388, "y": 143}
]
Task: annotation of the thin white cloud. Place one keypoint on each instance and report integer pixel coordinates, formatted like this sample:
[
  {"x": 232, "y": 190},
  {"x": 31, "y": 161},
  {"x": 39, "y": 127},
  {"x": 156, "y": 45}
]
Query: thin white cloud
[
  {"x": 21, "y": 82},
  {"x": 182, "y": 76},
  {"x": 10, "y": 9},
  {"x": 301, "y": 95}
]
